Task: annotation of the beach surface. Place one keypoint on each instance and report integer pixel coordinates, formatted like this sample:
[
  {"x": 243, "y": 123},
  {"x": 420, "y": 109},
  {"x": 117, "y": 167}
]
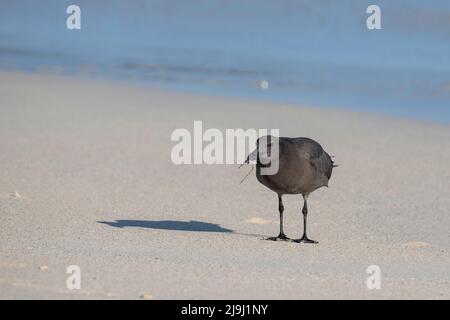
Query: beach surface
[{"x": 87, "y": 179}]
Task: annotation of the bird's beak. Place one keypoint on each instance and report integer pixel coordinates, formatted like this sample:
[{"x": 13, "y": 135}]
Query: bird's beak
[{"x": 247, "y": 161}]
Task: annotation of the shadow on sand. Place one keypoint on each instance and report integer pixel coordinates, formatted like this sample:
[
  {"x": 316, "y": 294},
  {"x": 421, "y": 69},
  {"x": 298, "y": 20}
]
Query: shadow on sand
[{"x": 192, "y": 225}]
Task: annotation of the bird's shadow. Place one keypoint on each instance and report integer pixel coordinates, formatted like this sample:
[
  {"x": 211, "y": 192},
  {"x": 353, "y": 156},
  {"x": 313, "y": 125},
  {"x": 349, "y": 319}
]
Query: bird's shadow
[{"x": 174, "y": 225}]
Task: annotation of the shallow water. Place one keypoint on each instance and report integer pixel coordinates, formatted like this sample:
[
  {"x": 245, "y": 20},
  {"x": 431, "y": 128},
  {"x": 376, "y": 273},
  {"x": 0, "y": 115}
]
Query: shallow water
[{"x": 313, "y": 52}]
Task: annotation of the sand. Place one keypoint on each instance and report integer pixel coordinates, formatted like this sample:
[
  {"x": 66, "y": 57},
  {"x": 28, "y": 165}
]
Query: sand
[{"x": 86, "y": 179}]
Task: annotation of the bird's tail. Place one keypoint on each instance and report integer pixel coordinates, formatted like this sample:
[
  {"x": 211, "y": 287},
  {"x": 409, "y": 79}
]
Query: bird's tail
[{"x": 333, "y": 163}]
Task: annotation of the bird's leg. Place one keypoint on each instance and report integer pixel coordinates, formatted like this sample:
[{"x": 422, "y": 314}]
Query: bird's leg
[
  {"x": 281, "y": 236},
  {"x": 305, "y": 238}
]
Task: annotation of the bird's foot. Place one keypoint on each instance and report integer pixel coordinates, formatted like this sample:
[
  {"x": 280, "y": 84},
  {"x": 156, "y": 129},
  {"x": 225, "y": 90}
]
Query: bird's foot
[
  {"x": 305, "y": 239},
  {"x": 280, "y": 237}
]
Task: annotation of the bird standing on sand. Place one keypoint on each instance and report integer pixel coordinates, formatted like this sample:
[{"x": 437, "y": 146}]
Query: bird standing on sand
[{"x": 303, "y": 166}]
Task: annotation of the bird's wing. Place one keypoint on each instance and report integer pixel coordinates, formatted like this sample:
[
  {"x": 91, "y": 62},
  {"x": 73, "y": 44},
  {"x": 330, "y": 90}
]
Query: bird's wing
[
  {"x": 315, "y": 155},
  {"x": 306, "y": 148}
]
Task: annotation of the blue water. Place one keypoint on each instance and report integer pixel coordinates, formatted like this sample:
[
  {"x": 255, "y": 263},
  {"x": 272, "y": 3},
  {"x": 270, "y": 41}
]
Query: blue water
[{"x": 316, "y": 52}]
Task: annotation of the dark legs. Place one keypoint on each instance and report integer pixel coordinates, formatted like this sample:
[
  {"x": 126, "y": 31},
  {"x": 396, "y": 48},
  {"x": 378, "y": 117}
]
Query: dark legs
[
  {"x": 281, "y": 236},
  {"x": 305, "y": 238}
]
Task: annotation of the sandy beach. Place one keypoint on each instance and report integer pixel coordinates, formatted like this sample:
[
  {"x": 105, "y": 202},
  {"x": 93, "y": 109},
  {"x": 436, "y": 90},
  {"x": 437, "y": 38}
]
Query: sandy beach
[{"x": 86, "y": 179}]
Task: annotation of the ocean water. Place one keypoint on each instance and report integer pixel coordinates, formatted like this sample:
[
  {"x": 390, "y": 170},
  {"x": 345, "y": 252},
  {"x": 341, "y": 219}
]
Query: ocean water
[{"x": 312, "y": 52}]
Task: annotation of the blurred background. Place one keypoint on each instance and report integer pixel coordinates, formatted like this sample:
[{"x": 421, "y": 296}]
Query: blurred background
[{"x": 311, "y": 52}]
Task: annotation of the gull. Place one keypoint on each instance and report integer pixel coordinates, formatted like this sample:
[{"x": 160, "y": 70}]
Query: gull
[{"x": 303, "y": 167}]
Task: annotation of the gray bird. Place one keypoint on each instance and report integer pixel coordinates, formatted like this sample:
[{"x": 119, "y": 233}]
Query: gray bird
[{"x": 303, "y": 166}]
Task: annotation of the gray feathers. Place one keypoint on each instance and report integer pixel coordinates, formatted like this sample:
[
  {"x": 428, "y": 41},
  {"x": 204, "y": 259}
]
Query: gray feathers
[{"x": 303, "y": 166}]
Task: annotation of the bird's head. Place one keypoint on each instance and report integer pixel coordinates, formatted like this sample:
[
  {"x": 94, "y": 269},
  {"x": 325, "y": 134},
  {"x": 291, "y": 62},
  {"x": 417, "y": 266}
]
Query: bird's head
[
  {"x": 267, "y": 150},
  {"x": 266, "y": 155}
]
